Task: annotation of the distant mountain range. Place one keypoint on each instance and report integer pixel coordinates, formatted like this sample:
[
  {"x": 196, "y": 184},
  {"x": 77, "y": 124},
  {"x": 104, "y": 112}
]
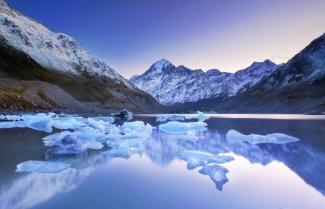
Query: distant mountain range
[
  {"x": 173, "y": 85},
  {"x": 297, "y": 86},
  {"x": 43, "y": 69}
]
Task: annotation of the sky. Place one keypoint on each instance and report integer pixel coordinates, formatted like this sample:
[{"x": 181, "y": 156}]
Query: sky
[{"x": 130, "y": 35}]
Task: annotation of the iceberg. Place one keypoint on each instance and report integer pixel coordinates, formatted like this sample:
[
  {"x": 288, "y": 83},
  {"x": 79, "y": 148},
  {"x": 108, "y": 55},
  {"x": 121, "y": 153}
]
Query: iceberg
[
  {"x": 175, "y": 127},
  {"x": 11, "y": 117},
  {"x": 164, "y": 118},
  {"x": 97, "y": 124},
  {"x": 40, "y": 124},
  {"x": 92, "y": 145},
  {"x": 56, "y": 139},
  {"x": 136, "y": 129},
  {"x": 201, "y": 116},
  {"x": 41, "y": 167},
  {"x": 67, "y": 123},
  {"x": 234, "y": 137}
]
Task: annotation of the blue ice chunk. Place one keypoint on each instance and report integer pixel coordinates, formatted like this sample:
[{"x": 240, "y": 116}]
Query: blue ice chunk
[
  {"x": 201, "y": 116},
  {"x": 234, "y": 137},
  {"x": 176, "y": 127}
]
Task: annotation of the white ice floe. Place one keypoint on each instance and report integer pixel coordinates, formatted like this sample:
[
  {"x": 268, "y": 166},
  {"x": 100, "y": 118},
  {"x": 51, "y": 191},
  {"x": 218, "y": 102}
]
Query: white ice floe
[
  {"x": 46, "y": 122},
  {"x": 92, "y": 145},
  {"x": 136, "y": 129},
  {"x": 200, "y": 116},
  {"x": 234, "y": 137},
  {"x": 175, "y": 127},
  {"x": 55, "y": 139},
  {"x": 41, "y": 167},
  {"x": 199, "y": 158},
  {"x": 87, "y": 138},
  {"x": 164, "y": 118}
]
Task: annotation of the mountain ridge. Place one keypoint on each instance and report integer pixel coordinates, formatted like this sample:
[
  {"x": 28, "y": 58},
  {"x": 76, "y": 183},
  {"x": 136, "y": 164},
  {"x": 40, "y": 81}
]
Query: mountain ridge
[
  {"x": 212, "y": 83},
  {"x": 58, "y": 59}
]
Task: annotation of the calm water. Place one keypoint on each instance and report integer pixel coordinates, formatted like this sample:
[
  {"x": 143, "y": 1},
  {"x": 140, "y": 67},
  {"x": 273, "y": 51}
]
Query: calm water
[{"x": 264, "y": 176}]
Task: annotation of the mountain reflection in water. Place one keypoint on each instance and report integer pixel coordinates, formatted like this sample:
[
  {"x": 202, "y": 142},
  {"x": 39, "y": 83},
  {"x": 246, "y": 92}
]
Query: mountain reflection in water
[{"x": 305, "y": 158}]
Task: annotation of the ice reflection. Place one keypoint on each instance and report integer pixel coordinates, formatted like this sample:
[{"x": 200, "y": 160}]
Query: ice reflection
[{"x": 207, "y": 155}]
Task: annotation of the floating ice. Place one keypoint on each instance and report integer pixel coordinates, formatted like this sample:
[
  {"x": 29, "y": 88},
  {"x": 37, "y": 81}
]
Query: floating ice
[
  {"x": 234, "y": 137},
  {"x": 98, "y": 124},
  {"x": 46, "y": 122},
  {"x": 55, "y": 139},
  {"x": 136, "y": 129},
  {"x": 41, "y": 167},
  {"x": 67, "y": 123},
  {"x": 198, "y": 158},
  {"x": 163, "y": 118},
  {"x": 11, "y": 117},
  {"x": 201, "y": 117},
  {"x": 8, "y": 125},
  {"x": 216, "y": 173},
  {"x": 92, "y": 145},
  {"x": 40, "y": 124},
  {"x": 175, "y": 127}
]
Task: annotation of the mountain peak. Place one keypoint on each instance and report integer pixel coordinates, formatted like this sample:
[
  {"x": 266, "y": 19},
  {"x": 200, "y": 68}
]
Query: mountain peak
[
  {"x": 160, "y": 66},
  {"x": 162, "y": 63}
]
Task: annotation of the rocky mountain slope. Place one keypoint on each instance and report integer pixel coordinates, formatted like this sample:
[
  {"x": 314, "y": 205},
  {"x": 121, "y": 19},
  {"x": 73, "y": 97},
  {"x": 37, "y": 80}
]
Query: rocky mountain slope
[
  {"x": 176, "y": 85},
  {"x": 30, "y": 52},
  {"x": 295, "y": 87}
]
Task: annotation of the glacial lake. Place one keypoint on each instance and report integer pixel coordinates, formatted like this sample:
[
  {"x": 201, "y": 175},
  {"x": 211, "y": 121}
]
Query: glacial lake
[{"x": 256, "y": 176}]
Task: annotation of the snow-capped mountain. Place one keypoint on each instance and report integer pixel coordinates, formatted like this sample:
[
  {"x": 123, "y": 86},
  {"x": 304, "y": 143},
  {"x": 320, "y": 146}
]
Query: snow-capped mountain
[
  {"x": 297, "y": 86},
  {"x": 51, "y": 50},
  {"x": 58, "y": 71},
  {"x": 171, "y": 85}
]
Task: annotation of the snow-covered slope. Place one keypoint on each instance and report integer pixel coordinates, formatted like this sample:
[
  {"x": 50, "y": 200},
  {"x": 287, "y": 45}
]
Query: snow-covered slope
[
  {"x": 170, "y": 84},
  {"x": 51, "y": 50}
]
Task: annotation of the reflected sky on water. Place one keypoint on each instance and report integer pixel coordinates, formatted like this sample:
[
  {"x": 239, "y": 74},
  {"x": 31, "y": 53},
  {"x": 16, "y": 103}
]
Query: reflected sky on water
[{"x": 261, "y": 176}]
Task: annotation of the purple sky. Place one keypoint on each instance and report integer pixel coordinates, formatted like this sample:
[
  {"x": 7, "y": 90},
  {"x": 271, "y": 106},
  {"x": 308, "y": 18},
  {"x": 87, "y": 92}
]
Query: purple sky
[{"x": 227, "y": 34}]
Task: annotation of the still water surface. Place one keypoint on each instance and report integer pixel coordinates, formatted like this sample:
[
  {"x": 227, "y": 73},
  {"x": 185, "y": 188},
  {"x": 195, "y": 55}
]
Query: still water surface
[{"x": 263, "y": 176}]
